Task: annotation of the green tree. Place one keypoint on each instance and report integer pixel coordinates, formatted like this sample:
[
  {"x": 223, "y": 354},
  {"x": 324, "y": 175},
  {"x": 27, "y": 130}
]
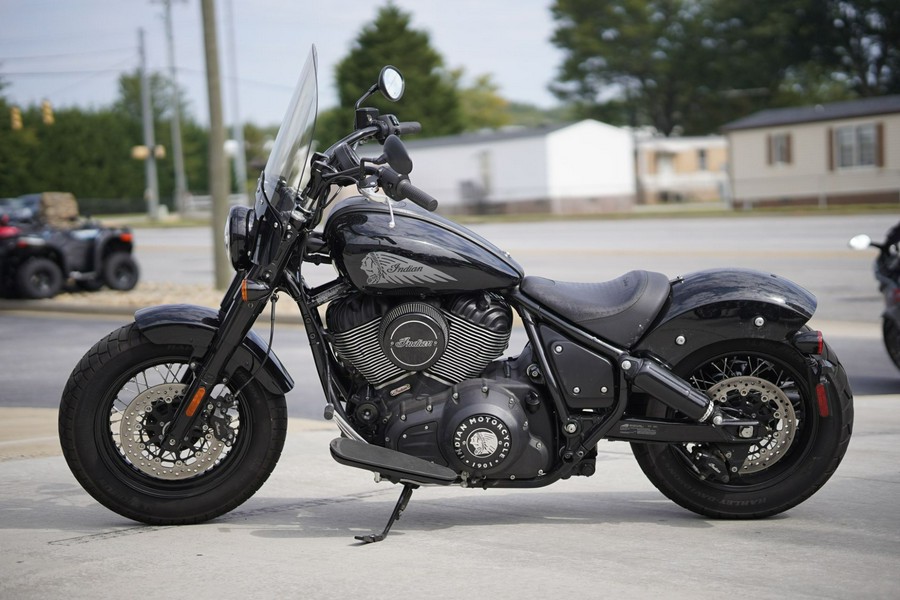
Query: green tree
[
  {"x": 193, "y": 137},
  {"x": 865, "y": 42},
  {"x": 691, "y": 65},
  {"x": 431, "y": 97},
  {"x": 481, "y": 104}
]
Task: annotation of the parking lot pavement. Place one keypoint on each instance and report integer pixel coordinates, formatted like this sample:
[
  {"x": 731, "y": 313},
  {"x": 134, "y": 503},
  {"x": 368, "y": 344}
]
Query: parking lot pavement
[{"x": 611, "y": 535}]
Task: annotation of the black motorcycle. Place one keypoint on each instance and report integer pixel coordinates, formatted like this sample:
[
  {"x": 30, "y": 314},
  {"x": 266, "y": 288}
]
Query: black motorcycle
[
  {"x": 887, "y": 273},
  {"x": 733, "y": 406}
]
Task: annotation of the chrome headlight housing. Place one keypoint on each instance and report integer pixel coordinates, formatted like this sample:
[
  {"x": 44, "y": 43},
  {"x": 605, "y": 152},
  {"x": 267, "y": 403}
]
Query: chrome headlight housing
[{"x": 239, "y": 236}]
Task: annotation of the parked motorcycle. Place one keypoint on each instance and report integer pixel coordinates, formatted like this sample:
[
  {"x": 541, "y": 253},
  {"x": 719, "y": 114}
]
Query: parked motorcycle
[
  {"x": 887, "y": 273},
  {"x": 733, "y": 406}
]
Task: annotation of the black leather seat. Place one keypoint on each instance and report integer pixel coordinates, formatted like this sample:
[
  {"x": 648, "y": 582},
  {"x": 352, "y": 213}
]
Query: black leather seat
[{"x": 618, "y": 310}]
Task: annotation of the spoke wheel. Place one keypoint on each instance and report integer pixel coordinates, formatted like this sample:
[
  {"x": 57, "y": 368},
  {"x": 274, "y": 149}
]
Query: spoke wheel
[
  {"x": 116, "y": 409},
  {"x": 798, "y": 451}
]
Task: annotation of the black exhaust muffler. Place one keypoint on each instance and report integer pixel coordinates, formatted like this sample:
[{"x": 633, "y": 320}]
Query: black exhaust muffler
[{"x": 670, "y": 389}]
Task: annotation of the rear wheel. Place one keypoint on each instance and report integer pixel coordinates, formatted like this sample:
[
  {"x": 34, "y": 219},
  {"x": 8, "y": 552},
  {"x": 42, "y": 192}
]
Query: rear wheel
[
  {"x": 39, "y": 278},
  {"x": 116, "y": 408},
  {"x": 800, "y": 449}
]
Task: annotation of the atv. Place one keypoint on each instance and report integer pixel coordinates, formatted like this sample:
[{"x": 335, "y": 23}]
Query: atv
[{"x": 39, "y": 256}]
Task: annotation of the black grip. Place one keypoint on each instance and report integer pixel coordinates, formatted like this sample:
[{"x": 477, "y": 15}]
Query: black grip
[
  {"x": 408, "y": 127},
  {"x": 407, "y": 190}
]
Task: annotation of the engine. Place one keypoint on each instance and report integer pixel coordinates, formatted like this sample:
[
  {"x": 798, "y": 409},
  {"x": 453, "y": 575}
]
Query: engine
[
  {"x": 447, "y": 341},
  {"x": 428, "y": 383}
]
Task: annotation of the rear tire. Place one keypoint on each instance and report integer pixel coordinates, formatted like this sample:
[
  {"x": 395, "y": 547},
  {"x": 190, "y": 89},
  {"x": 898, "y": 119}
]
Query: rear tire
[
  {"x": 114, "y": 409},
  {"x": 39, "y": 278},
  {"x": 802, "y": 450}
]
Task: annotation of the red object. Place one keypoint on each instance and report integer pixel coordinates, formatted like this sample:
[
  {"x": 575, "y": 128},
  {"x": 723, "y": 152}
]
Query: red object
[
  {"x": 8, "y": 231},
  {"x": 822, "y": 397}
]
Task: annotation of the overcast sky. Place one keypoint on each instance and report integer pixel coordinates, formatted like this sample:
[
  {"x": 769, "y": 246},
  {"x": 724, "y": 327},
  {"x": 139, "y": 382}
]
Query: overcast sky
[{"x": 72, "y": 51}]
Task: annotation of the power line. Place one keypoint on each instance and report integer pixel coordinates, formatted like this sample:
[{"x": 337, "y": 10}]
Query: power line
[
  {"x": 58, "y": 73},
  {"x": 67, "y": 54},
  {"x": 117, "y": 68}
]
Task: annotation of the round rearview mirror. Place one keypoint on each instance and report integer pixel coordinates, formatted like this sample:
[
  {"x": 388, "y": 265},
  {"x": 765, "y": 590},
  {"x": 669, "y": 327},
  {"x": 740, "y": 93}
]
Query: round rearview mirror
[
  {"x": 860, "y": 242},
  {"x": 391, "y": 84}
]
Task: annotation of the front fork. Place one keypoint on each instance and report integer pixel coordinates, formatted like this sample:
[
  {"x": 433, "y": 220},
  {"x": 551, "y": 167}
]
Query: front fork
[
  {"x": 244, "y": 302},
  {"x": 243, "y": 305}
]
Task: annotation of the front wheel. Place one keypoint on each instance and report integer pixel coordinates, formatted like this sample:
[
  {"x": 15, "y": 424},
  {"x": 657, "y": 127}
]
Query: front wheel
[
  {"x": 115, "y": 410},
  {"x": 801, "y": 445},
  {"x": 39, "y": 278},
  {"x": 891, "y": 333}
]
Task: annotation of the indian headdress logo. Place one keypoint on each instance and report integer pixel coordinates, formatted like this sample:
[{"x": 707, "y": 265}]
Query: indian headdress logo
[{"x": 384, "y": 268}]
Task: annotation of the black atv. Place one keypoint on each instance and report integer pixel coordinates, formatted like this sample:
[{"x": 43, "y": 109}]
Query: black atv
[{"x": 40, "y": 255}]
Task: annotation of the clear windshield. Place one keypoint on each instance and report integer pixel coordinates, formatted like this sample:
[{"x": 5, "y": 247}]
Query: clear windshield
[{"x": 288, "y": 161}]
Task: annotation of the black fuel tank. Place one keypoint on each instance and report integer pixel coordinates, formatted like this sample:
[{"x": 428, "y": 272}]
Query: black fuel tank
[{"x": 422, "y": 253}]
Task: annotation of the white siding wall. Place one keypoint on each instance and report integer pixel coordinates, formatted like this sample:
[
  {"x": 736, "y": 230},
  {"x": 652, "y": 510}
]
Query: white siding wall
[
  {"x": 516, "y": 169},
  {"x": 590, "y": 160},
  {"x": 808, "y": 173}
]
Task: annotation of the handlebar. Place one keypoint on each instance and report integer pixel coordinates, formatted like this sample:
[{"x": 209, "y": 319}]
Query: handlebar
[
  {"x": 408, "y": 128},
  {"x": 407, "y": 190},
  {"x": 398, "y": 187}
]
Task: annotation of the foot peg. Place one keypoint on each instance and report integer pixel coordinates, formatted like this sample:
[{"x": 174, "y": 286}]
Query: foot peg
[{"x": 390, "y": 464}]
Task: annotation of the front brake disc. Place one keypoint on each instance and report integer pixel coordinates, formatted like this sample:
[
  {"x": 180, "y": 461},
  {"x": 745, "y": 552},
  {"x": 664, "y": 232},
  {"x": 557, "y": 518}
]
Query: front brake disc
[{"x": 143, "y": 426}]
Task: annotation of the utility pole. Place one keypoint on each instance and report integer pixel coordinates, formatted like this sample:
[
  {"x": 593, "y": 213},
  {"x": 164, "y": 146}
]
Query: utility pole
[
  {"x": 218, "y": 171},
  {"x": 152, "y": 191},
  {"x": 181, "y": 189},
  {"x": 237, "y": 125}
]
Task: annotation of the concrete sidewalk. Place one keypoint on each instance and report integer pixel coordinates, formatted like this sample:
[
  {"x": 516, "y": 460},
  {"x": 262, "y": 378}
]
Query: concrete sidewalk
[{"x": 610, "y": 535}]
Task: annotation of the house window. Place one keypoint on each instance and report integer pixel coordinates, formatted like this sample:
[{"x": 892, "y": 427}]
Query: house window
[
  {"x": 701, "y": 159},
  {"x": 856, "y": 146},
  {"x": 780, "y": 149}
]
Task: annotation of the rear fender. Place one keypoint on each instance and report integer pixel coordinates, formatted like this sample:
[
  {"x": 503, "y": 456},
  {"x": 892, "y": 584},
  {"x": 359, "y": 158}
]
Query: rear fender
[
  {"x": 722, "y": 304},
  {"x": 196, "y": 326}
]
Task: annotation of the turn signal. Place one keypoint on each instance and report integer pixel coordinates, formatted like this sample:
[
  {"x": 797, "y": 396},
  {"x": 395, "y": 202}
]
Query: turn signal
[{"x": 251, "y": 291}]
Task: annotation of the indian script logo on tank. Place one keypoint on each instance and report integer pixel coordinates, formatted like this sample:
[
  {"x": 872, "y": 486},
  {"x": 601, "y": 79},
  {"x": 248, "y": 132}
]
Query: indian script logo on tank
[{"x": 385, "y": 268}]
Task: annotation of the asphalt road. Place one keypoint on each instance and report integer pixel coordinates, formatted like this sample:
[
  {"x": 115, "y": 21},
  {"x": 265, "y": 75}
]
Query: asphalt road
[{"x": 812, "y": 251}]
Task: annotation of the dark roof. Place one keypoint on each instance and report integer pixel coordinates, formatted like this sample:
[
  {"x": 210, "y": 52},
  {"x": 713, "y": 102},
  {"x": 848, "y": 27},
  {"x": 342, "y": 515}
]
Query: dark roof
[
  {"x": 879, "y": 105},
  {"x": 487, "y": 136}
]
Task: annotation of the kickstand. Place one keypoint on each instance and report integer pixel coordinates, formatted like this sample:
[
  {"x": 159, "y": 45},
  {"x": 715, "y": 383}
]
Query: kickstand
[{"x": 398, "y": 510}]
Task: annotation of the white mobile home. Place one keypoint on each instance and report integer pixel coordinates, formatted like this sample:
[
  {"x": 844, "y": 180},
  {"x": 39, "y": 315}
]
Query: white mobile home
[
  {"x": 845, "y": 152},
  {"x": 586, "y": 166}
]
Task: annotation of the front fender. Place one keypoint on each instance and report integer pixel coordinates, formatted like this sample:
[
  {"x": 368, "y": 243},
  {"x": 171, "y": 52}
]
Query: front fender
[
  {"x": 721, "y": 304},
  {"x": 196, "y": 325}
]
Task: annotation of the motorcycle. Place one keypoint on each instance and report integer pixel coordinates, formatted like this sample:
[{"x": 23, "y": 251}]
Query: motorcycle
[
  {"x": 887, "y": 273},
  {"x": 733, "y": 406}
]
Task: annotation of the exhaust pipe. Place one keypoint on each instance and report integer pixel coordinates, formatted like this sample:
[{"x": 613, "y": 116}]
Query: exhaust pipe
[{"x": 670, "y": 389}]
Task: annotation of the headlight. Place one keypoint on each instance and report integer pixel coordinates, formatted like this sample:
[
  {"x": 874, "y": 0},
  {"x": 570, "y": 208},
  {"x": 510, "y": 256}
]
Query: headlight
[{"x": 239, "y": 236}]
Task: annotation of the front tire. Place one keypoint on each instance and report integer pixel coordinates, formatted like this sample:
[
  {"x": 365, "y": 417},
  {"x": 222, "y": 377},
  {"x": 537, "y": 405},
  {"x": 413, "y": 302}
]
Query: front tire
[
  {"x": 39, "y": 278},
  {"x": 115, "y": 408},
  {"x": 891, "y": 334},
  {"x": 766, "y": 381}
]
